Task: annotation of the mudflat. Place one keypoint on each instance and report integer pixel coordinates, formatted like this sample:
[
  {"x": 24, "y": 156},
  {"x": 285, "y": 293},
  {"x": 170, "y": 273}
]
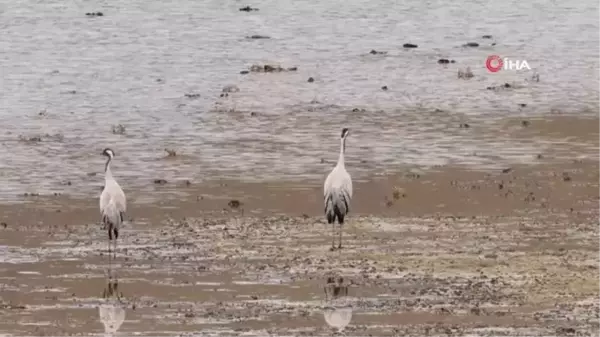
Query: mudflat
[{"x": 446, "y": 251}]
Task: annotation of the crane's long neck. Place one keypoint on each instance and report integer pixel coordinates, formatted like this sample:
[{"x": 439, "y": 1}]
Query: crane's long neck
[
  {"x": 340, "y": 162},
  {"x": 107, "y": 172}
]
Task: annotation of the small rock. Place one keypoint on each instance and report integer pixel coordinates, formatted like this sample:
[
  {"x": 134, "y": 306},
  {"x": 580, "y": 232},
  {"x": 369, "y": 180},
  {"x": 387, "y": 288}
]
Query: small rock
[
  {"x": 486, "y": 37},
  {"x": 3, "y": 224},
  {"x": 257, "y": 37},
  {"x": 522, "y": 105},
  {"x": 160, "y": 181},
  {"x": 311, "y": 80},
  {"x": 118, "y": 129},
  {"x": 234, "y": 203},
  {"x": 192, "y": 96},
  {"x": 384, "y": 88},
  {"x": 248, "y": 9},
  {"x": 409, "y": 45},
  {"x": 244, "y": 72},
  {"x": 525, "y": 123},
  {"x": 506, "y": 170},
  {"x": 464, "y": 125},
  {"x": 375, "y": 52},
  {"x": 443, "y": 61},
  {"x": 471, "y": 44}
]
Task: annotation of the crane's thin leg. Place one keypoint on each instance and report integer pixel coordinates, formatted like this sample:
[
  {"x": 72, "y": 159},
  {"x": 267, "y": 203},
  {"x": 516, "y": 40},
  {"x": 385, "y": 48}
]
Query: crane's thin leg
[
  {"x": 109, "y": 255},
  {"x": 116, "y": 234},
  {"x": 332, "y": 236},
  {"x": 340, "y": 246}
]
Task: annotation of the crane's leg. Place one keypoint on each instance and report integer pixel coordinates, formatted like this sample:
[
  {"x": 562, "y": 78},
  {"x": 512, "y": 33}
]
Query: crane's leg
[
  {"x": 341, "y": 223},
  {"x": 340, "y": 245},
  {"x": 332, "y": 237},
  {"x": 116, "y": 232},
  {"x": 109, "y": 240}
]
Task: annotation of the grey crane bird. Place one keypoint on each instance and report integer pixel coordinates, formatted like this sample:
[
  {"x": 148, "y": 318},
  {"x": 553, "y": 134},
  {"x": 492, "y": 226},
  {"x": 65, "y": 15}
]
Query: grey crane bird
[
  {"x": 112, "y": 202},
  {"x": 337, "y": 192}
]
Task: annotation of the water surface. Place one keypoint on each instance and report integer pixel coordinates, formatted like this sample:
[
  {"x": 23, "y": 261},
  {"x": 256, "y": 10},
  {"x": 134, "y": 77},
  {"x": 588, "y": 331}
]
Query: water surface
[{"x": 68, "y": 79}]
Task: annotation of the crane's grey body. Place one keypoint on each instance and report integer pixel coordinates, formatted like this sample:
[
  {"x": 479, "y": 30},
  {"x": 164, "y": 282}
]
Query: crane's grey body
[
  {"x": 337, "y": 192},
  {"x": 112, "y": 203}
]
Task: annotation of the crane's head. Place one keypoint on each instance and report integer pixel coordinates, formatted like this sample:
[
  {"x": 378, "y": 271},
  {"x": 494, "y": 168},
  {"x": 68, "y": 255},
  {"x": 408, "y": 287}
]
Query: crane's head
[
  {"x": 345, "y": 132},
  {"x": 109, "y": 153}
]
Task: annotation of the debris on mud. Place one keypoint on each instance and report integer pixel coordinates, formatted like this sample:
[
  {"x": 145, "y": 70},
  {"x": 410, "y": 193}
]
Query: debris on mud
[
  {"x": 234, "y": 204},
  {"x": 248, "y": 9},
  {"x": 258, "y": 37},
  {"x": 192, "y": 96},
  {"x": 267, "y": 68},
  {"x": 118, "y": 129},
  {"x": 445, "y": 61}
]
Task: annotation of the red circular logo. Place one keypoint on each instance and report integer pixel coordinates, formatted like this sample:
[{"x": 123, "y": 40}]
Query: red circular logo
[{"x": 494, "y": 63}]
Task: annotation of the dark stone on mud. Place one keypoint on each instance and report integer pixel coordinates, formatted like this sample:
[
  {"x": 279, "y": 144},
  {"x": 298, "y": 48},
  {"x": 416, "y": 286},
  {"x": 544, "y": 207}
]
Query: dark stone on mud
[
  {"x": 160, "y": 181},
  {"x": 525, "y": 123},
  {"x": 506, "y": 170},
  {"x": 486, "y": 37},
  {"x": 3, "y": 224},
  {"x": 493, "y": 44},
  {"x": 257, "y": 37},
  {"x": 192, "y": 96},
  {"x": 507, "y": 85},
  {"x": 92, "y": 14},
  {"x": 443, "y": 61},
  {"x": 244, "y": 72},
  {"x": 310, "y": 80},
  {"x": 522, "y": 105},
  {"x": 267, "y": 68},
  {"x": 464, "y": 125},
  {"x": 409, "y": 45},
  {"x": 375, "y": 52},
  {"x": 253, "y": 114},
  {"x": 384, "y": 88},
  {"x": 248, "y": 9},
  {"x": 471, "y": 44},
  {"x": 234, "y": 203}
]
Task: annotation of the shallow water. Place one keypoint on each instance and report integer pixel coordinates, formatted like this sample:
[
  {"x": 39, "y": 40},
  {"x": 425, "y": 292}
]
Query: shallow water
[{"x": 69, "y": 79}]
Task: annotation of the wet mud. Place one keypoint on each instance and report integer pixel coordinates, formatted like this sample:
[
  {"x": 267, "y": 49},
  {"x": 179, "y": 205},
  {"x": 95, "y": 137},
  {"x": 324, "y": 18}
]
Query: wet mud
[{"x": 449, "y": 253}]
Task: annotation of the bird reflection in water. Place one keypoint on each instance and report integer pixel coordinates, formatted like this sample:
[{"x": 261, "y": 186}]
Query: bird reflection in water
[
  {"x": 111, "y": 311},
  {"x": 338, "y": 310}
]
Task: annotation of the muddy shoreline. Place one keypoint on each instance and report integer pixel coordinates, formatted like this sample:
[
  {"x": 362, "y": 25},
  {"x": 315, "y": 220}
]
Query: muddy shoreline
[{"x": 450, "y": 251}]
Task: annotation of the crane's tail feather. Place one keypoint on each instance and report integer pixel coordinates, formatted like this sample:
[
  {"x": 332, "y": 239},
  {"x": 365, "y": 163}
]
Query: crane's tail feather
[{"x": 336, "y": 206}]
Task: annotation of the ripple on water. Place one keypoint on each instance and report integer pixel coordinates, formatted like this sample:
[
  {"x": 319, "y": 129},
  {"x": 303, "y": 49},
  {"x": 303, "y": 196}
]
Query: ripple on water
[{"x": 134, "y": 66}]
